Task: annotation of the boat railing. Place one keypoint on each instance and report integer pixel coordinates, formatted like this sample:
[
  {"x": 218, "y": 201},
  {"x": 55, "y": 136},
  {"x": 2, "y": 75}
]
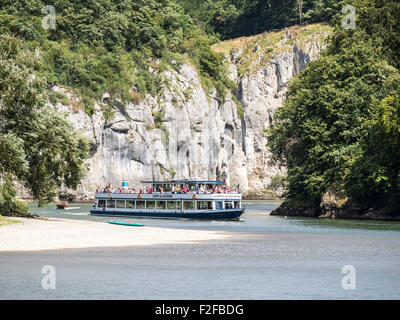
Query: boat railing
[{"x": 167, "y": 192}]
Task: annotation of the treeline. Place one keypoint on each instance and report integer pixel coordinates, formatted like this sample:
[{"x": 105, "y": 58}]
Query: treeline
[
  {"x": 339, "y": 130},
  {"x": 97, "y": 45},
  {"x": 235, "y": 18}
]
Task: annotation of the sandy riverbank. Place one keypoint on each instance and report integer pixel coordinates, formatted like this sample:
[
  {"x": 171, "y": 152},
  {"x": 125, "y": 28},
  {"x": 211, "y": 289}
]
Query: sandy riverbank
[{"x": 35, "y": 234}]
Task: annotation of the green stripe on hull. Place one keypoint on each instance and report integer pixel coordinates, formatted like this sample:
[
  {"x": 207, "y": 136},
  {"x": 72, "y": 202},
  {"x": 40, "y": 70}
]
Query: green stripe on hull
[{"x": 126, "y": 223}]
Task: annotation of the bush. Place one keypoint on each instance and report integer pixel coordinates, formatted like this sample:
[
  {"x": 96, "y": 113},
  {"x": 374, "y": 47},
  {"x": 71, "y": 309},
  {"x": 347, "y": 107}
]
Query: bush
[
  {"x": 159, "y": 118},
  {"x": 9, "y": 204}
]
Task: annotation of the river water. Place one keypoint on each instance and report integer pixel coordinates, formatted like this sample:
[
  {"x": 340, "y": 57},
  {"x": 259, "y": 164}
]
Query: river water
[{"x": 266, "y": 258}]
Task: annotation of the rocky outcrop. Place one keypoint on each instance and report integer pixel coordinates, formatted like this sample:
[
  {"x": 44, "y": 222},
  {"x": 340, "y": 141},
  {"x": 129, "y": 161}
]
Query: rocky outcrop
[
  {"x": 334, "y": 204},
  {"x": 296, "y": 208},
  {"x": 170, "y": 137},
  {"x": 337, "y": 205},
  {"x": 185, "y": 132},
  {"x": 261, "y": 92}
]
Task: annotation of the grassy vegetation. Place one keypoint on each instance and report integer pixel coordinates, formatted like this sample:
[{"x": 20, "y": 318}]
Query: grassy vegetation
[
  {"x": 262, "y": 194},
  {"x": 269, "y": 44},
  {"x": 6, "y": 221}
]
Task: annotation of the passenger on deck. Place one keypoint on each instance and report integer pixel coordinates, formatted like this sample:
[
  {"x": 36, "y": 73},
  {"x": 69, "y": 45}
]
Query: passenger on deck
[{"x": 175, "y": 189}]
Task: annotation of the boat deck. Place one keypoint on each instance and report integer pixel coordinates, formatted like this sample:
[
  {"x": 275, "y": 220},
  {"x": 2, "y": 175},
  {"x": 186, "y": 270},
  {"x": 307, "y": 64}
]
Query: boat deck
[{"x": 169, "y": 205}]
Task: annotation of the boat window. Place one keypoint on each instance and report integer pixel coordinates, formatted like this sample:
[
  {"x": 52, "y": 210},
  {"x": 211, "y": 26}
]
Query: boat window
[
  {"x": 140, "y": 204},
  {"x": 150, "y": 204},
  {"x": 172, "y": 204},
  {"x": 161, "y": 205},
  {"x": 110, "y": 203},
  {"x": 236, "y": 204},
  {"x": 120, "y": 203},
  {"x": 130, "y": 204},
  {"x": 228, "y": 205},
  {"x": 101, "y": 204},
  {"x": 219, "y": 205},
  {"x": 204, "y": 205},
  {"x": 189, "y": 205}
]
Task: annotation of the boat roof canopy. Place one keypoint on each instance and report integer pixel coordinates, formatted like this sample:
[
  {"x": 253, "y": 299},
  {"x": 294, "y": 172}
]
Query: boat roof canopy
[{"x": 187, "y": 181}]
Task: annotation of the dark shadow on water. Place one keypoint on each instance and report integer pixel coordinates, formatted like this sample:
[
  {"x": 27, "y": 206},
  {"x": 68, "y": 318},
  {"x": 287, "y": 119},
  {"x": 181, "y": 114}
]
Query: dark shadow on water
[{"x": 346, "y": 224}]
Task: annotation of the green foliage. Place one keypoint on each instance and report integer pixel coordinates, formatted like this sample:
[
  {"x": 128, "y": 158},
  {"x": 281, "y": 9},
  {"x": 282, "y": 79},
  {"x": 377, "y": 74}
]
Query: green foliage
[
  {"x": 89, "y": 71},
  {"x": 339, "y": 127},
  {"x": 6, "y": 221},
  {"x": 375, "y": 171},
  {"x": 38, "y": 147},
  {"x": 211, "y": 65},
  {"x": 277, "y": 182},
  {"x": 55, "y": 97},
  {"x": 108, "y": 112},
  {"x": 380, "y": 20},
  {"x": 148, "y": 83},
  {"x": 110, "y": 45},
  {"x": 12, "y": 155},
  {"x": 159, "y": 118},
  {"x": 235, "y": 18},
  {"x": 239, "y": 105},
  {"x": 55, "y": 154},
  {"x": 89, "y": 109},
  {"x": 221, "y": 91},
  {"x": 9, "y": 204}
]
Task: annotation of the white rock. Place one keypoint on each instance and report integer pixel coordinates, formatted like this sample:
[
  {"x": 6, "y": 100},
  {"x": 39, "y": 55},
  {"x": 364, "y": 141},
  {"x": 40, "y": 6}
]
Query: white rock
[{"x": 198, "y": 138}]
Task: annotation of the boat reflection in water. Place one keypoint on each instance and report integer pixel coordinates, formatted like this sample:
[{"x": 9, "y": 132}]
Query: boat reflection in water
[{"x": 189, "y": 199}]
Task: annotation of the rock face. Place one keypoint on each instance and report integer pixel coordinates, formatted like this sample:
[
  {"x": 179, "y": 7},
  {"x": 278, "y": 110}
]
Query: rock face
[
  {"x": 187, "y": 133},
  {"x": 261, "y": 93},
  {"x": 335, "y": 204}
]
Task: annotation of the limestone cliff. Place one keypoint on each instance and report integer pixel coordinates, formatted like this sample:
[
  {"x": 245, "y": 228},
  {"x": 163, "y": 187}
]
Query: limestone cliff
[{"x": 187, "y": 133}]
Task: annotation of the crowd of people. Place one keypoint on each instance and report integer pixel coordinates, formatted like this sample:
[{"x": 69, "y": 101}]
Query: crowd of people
[{"x": 175, "y": 189}]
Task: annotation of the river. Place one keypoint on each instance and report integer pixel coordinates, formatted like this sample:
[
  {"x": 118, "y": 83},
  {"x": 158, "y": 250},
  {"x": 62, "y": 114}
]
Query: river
[{"x": 267, "y": 257}]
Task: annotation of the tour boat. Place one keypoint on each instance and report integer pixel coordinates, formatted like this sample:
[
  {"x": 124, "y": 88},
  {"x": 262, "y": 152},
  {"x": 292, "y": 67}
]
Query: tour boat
[{"x": 202, "y": 200}]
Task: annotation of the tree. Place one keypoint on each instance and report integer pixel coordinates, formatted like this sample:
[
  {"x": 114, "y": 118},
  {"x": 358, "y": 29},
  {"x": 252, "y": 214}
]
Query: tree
[
  {"x": 37, "y": 146},
  {"x": 339, "y": 127},
  {"x": 375, "y": 173},
  {"x": 236, "y": 18},
  {"x": 319, "y": 132}
]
